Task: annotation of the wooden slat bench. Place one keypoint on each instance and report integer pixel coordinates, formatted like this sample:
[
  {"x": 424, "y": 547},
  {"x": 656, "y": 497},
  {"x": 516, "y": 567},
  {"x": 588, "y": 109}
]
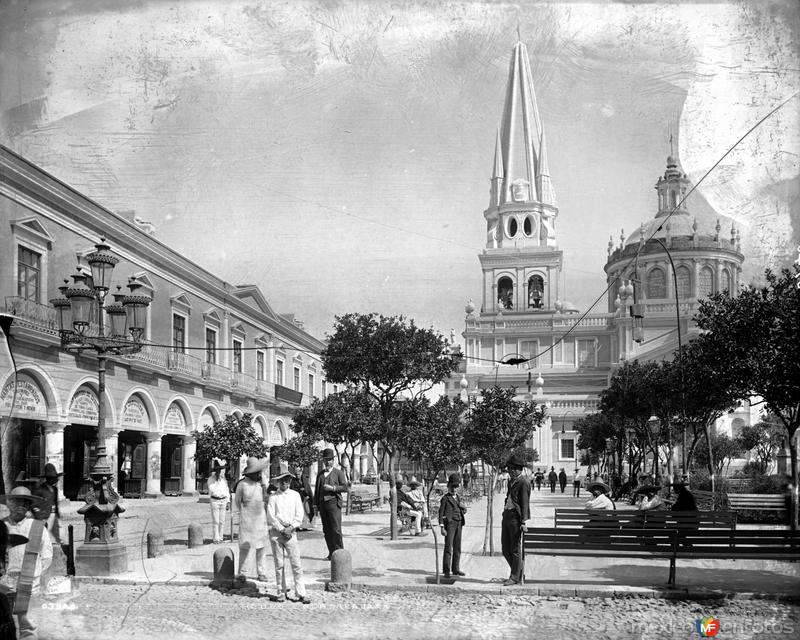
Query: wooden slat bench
[
  {"x": 757, "y": 502},
  {"x": 676, "y": 520},
  {"x": 361, "y": 503},
  {"x": 665, "y": 543}
]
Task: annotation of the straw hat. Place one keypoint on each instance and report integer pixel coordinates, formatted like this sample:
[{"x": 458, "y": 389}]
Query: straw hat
[
  {"x": 21, "y": 493},
  {"x": 283, "y": 472},
  {"x": 597, "y": 484},
  {"x": 254, "y": 465}
]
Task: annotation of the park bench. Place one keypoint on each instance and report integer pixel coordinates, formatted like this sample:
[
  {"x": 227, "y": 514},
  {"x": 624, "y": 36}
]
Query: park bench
[
  {"x": 673, "y": 520},
  {"x": 361, "y": 503},
  {"x": 667, "y": 544},
  {"x": 758, "y": 502}
]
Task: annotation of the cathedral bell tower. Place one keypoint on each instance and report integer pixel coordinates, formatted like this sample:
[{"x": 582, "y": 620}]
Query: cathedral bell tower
[{"x": 521, "y": 262}]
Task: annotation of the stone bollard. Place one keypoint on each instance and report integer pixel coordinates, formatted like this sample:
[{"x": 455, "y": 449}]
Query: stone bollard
[
  {"x": 155, "y": 543},
  {"x": 223, "y": 567},
  {"x": 195, "y": 535},
  {"x": 341, "y": 571}
]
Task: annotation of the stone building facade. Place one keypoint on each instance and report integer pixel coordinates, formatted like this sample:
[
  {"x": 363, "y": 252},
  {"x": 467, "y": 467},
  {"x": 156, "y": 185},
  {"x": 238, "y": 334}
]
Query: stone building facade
[{"x": 212, "y": 348}]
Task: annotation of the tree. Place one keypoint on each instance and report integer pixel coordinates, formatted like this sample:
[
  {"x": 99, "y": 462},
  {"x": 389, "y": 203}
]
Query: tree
[
  {"x": 300, "y": 451},
  {"x": 434, "y": 436},
  {"x": 593, "y": 430},
  {"x": 390, "y": 358},
  {"x": 498, "y": 425},
  {"x": 723, "y": 449},
  {"x": 764, "y": 440},
  {"x": 756, "y": 335},
  {"x": 229, "y": 440}
]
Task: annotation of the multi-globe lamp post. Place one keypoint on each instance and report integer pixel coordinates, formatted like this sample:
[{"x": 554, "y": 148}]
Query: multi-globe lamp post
[{"x": 81, "y": 313}]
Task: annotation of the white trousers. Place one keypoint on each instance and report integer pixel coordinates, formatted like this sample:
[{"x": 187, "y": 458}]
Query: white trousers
[
  {"x": 218, "y": 519},
  {"x": 291, "y": 547},
  {"x": 261, "y": 559}
]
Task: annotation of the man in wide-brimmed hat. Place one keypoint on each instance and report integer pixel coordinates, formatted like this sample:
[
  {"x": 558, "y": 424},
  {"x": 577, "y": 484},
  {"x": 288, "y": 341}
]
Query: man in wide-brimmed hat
[
  {"x": 418, "y": 498},
  {"x": 600, "y": 499},
  {"x": 451, "y": 520},
  {"x": 250, "y": 499},
  {"x": 648, "y": 498},
  {"x": 219, "y": 495},
  {"x": 20, "y": 522},
  {"x": 516, "y": 513},
  {"x": 685, "y": 500},
  {"x": 47, "y": 489},
  {"x": 328, "y": 498},
  {"x": 284, "y": 516}
]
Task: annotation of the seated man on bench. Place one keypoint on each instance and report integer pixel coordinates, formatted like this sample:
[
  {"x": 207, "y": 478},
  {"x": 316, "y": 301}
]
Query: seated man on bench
[
  {"x": 406, "y": 503},
  {"x": 420, "y": 504}
]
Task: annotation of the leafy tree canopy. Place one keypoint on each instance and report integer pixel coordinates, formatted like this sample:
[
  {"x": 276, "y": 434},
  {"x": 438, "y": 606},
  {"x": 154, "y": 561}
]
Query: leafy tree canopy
[
  {"x": 300, "y": 451},
  {"x": 345, "y": 417},
  {"x": 229, "y": 440}
]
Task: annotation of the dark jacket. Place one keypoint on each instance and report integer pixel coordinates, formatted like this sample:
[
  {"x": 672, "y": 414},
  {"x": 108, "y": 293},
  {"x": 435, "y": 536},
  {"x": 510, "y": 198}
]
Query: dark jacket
[
  {"x": 552, "y": 477},
  {"x": 562, "y": 478},
  {"x": 519, "y": 492},
  {"x": 685, "y": 502},
  {"x": 451, "y": 512},
  {"x": 402, "y": 497},
  {"x": 339, "y": 482}
]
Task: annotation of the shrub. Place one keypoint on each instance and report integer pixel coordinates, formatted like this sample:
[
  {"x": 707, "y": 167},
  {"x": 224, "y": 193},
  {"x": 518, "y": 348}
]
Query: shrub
[{"x": 775, "y": 484}]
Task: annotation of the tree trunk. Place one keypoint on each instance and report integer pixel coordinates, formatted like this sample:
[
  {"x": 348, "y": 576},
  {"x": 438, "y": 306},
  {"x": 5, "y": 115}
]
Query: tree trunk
[
  {"x": 392, "y": 496},
  {"x": 711, "y": 473},
  {"x": 488, "y": 536},
  {"x": 793, "y": 507}
]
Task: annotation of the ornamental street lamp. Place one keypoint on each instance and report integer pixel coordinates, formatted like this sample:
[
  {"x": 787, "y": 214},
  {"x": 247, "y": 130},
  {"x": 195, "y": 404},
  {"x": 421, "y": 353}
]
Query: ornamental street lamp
[{"x": 81, "y": 313}]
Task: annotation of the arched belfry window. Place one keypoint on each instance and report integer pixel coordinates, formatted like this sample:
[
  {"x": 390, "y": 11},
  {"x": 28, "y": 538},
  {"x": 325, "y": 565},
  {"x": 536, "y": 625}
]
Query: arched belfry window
[
  {"x": 656, "y": 284},
  {"x": 684, "y": 279},
  {"x": 727, "y": 281},
  {"x": 535, "y": 292},
  {"x": 505, "y": 293}
]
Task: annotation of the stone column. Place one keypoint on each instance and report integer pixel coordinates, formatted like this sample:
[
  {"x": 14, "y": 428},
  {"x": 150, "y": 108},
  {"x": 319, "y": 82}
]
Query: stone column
[
  {"x": 54, "y": 449},
  {"x": 111, "y": 442},
  {"x": 188, "y": 479},
  {"x": 153, "y": 463}
]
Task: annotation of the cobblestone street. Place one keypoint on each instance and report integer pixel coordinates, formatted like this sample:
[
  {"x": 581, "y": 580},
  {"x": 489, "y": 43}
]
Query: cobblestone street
[{"x": 161, "y": 611}]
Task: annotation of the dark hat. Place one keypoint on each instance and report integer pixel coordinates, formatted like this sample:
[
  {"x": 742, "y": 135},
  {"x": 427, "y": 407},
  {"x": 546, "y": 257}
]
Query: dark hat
[
  {"x": 648, "y": 488},
  {"x": 328, "y": 454},
  {"x": 50, "y": 471},
  {"x": 454, "y": 479},
  {"x": 516, "y": 461},
  {"x": 21, "y": 493},
  {"x": 597, "y": 484},
  {"x": 680, "y": 483}
]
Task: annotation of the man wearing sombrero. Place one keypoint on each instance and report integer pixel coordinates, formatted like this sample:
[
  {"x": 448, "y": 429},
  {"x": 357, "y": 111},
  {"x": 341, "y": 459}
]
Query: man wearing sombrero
[
  {"x": 19, "y": 523},
  {"x": 284, "y": 516},
  {"x": 249, "y": 500},
  {"x": 47, "y": 489},
  {"x": 599, "y": 490}
]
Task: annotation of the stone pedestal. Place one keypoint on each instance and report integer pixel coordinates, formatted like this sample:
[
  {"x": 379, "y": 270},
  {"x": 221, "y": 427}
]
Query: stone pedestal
[
  {"x": 223, "y": 567},
  {"x": 100, "y": 559},
  {"x": 341, "y": 571},
  {"x": 153, "y": 488}
]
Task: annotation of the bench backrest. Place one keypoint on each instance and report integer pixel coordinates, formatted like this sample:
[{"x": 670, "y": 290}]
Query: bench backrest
[
  {"x": 743, "y": 541},
  {"x": 756, "y": 501},
  {"x": 625, "y": 540},
  {"x": 646, "y": 519}
]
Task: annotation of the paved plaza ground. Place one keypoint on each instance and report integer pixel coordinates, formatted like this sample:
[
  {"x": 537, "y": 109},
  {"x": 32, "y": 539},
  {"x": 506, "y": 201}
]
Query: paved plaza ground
[{"x": 169, "y": 596}]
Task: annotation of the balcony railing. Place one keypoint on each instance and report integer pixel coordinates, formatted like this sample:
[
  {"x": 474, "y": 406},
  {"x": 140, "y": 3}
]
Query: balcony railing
[
  {"x": 40, "y": 315},
  {"x": 243, "y": 382},
  {"x": 288, "y": 395}
]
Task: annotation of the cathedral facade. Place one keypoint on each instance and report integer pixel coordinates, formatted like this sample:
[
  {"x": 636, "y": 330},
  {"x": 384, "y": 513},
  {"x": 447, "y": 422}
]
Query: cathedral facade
[{"x": 523, "y": 333}]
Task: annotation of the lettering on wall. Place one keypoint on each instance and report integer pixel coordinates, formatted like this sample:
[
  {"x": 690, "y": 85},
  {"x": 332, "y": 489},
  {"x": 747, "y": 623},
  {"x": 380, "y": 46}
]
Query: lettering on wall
[
  {"x": 83, "y": 408},
  {"x": 134, "y": 415},
  {"x": 28, "y": 402},
  {"x": 174, "y": 420}
]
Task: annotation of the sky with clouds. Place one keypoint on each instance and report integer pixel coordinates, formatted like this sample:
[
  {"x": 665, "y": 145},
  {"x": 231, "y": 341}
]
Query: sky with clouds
[{"x": 338, "y": 154}]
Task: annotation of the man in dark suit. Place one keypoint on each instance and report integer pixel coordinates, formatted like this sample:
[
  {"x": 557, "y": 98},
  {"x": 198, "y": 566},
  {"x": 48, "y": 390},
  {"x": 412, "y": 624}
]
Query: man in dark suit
[
  {"x": 516, "y": 512},
  {"x": 328, "y": 499},
  {"x": 451, "y": 520}
]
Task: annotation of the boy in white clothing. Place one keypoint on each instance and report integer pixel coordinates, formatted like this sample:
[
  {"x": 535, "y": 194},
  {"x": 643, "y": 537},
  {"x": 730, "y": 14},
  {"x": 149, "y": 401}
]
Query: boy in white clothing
[{"x": 284, "y": 517}]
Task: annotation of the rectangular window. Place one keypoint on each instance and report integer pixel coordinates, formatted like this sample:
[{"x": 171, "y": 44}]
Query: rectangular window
[
  {"x": 336, "y": 388},
  {"x": 529, "y": 349},
  {"x": 260, "y": 365},
  {"x": 567, "y": 449},
  {"x": 310, "y": 384},
  {"x": 178, "y": 333},
  {"x": 569, "y": 351},
  {"x": 296, "y": 379},
  {"x": 586, "y": 353},
  {"x": 279, "y": 372},
  {"x": 211, "y": 346},
  {"x": 237, "y": 356},
  {"x": 29, "y": 270}
]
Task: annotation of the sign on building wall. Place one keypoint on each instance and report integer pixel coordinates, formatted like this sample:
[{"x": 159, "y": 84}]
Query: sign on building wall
[
  {"x": 28, "y": 402},
  {"x": 83, "y": 408},
  {"x": 134, "y": 415},
  {"x": 275, "y": 436},
  {"x": 175, "y": 420}
]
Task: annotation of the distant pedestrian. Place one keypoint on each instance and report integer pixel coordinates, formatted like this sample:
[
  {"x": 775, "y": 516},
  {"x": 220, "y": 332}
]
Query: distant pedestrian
[
  {"x": 250, "y": 500},
  {"x": 502, "y": 482},
  {"x": 562, "y": 479},
  {"x": 516, "y": 512},
  {"x": 576, "y": 484},
  {"x": 539, "y": 479},
  {"x": 331, "y": 482},
  {"x": 47, "y": 489},
  {"x": 451, "y": 521},
  {"x": 219, "y": 495},
  {"x": 284, "y": 516},
  {"x": 552, "y": 478}
]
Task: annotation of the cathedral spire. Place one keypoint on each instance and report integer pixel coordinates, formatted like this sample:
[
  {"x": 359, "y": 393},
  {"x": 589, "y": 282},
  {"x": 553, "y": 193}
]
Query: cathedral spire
[
  {"x": 521, "y": 133},
  {"x": 544, "y": 186},
  {"x": 497, "y": 173}
]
